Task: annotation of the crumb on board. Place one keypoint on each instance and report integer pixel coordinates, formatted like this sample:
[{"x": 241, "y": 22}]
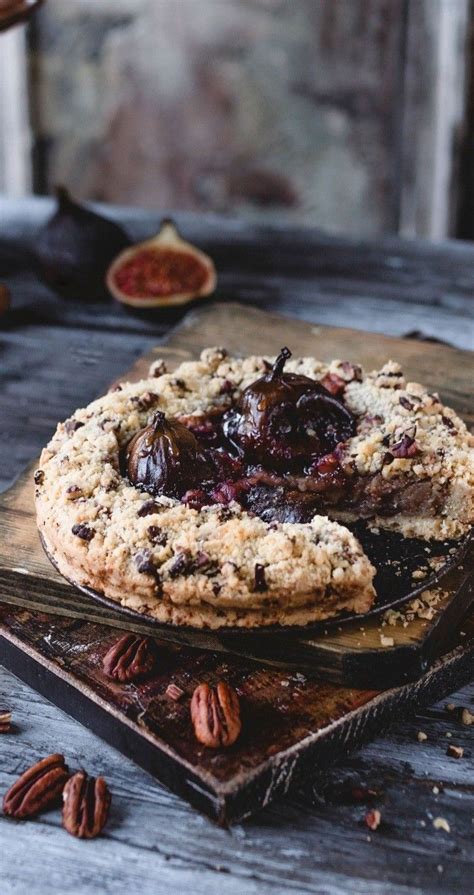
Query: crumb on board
[
  {"x": 454, "y": 751},
  {"x": 421, "y": 736},
  {"x": 372, "y": 819},
  {"x": 424, "y": 606},
  {"x": 467, "y": 717},
  {"x": 386, "y": 641},
  {"x": 440, "y": 823}
]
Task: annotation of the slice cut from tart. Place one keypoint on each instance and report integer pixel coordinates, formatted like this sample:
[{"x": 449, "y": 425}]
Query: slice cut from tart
[{"x": 201, "y": 497}]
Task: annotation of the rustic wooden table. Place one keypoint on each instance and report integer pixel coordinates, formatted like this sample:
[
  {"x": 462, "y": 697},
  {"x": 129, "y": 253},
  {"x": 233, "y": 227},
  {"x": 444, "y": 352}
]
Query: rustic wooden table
[{"x": 56, "y": 356}]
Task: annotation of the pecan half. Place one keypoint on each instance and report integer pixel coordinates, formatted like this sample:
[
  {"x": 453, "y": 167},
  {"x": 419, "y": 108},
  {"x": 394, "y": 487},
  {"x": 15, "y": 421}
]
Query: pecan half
[
  {"x": 215, "y": 714},
  {"x": 86, "y": 805},
  {"x": 130, "y": 658},
  {"x": 38, "y": 788},
  {"x": 5, "y": 720}
]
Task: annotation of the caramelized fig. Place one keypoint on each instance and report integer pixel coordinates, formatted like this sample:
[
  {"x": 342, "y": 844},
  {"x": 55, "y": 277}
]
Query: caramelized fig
[
  {"x": 285, "y": 421},
  {"x": 75, "y": 248},
  {"x": 161, "y": 272},
  {"x": 165, "y": 458}
]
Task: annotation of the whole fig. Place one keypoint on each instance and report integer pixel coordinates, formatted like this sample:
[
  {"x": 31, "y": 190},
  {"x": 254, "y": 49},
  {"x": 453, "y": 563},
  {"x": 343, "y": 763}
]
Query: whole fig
[
  {"x": 75, "y": 248},
  {"x": 285, "y": 421},
  {"x": 165, "y": 458}
]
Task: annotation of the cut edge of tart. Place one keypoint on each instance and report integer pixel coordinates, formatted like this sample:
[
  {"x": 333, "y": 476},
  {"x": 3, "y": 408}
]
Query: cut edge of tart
[{"x": 214, "y": 563}]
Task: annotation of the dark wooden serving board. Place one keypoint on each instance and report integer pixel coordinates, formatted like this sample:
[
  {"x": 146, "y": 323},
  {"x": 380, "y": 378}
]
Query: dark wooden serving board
[{"x": 54, "y": 638}]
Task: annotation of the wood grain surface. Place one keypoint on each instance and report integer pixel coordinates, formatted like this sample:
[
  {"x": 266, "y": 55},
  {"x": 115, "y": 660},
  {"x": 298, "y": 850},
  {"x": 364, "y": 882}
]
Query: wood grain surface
[{"x": 57, "y": 355}]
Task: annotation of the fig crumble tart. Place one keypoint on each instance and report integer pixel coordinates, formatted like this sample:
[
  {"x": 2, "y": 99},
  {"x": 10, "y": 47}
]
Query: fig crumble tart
[{"x": 212, "y": 496}]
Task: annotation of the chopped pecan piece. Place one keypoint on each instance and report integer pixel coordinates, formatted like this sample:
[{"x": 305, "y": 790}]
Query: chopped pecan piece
[
  {"x": 145, "y": 401},
  {"x": 454, "y": 751},
  {"x": 406, "y": 447},
  {"x": 81, "y": 530},
  {"x": 373, "y": 818},
  {"x": 157, "y": 535},
  {"x": 215, "y": 714},
  {"x": 73, "y": 492},
  {"x": 333, "y": 384},
  {"x": 181, "y": 565},
  {"x": 130, "y": 658},
  {"x": 448, "y": 423},
  {"x": 148, "y": 508},
  {"x": 5, "y": 720},
  {"x": 38, "y": 788},
  {"x": 174, "y": 692},
  {"x": 157, "y": 368},
  {"x": 352, "y": 370},
  {"x": 71, "y": 425},
  {"x": 86, "y": 805}
]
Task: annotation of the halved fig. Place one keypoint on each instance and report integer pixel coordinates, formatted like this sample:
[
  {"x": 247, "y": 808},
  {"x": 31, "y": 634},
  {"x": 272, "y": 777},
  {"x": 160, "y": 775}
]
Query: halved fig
[{"x": 161, "y": 272}]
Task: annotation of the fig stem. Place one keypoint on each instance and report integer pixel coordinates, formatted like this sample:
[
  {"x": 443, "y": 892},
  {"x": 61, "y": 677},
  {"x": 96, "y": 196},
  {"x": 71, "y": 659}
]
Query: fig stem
[
  {"x": 157, "y": 420},
  {"x": 280, "y": 362}
]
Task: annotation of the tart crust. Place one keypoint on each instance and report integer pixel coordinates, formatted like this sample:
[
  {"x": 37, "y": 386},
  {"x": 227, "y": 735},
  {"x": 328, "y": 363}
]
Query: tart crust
[{"x": 201, "y": 568}]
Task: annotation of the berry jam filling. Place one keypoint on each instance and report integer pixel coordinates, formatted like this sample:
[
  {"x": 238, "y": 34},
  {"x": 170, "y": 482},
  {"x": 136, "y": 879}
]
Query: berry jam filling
[{"x": 275, "y": 451}]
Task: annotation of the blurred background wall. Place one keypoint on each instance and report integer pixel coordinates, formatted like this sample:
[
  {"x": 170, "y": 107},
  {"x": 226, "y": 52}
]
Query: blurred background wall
[{"x": 350, "y": 115}]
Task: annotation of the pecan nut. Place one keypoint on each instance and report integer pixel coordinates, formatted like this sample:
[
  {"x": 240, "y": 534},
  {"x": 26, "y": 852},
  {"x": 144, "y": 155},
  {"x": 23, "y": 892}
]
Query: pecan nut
[
  {"x": 38, "y": 788},
  {"x": 5, "y": 720},
  {"x": 215, "y": 714},
  {"x": 86, "y": 805},
  {"x": 130, "y": 658}
]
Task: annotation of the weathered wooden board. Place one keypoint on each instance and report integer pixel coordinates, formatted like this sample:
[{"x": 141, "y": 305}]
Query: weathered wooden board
[{"x": 293, "y": 727}]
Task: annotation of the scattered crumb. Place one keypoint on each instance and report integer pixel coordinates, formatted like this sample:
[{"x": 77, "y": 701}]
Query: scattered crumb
[
  {"x": 423, "y": 607},
  {"x": 173, "y": 692},
  {"x": 373, "y": 818},
  {"x": 300, "y": 677},
  {"x": 448, "y": 734},
  {"x": 419, "y": 573},
  {"x": 421, "y": 736},
  {"x": 467, "y": 717},
  {"x": 435, "y": 790},
  {"x": 422, "y": 823},
  {"x": 386, "y": 641},
  {"x": 284, "y": 683},
  {"x": 439, "y": 868},
  {"x": 454, "y": 751},
  {"x": 440, "y": 823},
  {"x": 450, "y": 707}
]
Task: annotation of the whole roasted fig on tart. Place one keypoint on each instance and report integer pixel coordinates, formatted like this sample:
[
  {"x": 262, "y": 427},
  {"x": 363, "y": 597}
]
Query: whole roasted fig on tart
[
  {"x": 165, "y": 458},
  {"x": 246, "y": 461},
  {"x": 286, "y": 421}
]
